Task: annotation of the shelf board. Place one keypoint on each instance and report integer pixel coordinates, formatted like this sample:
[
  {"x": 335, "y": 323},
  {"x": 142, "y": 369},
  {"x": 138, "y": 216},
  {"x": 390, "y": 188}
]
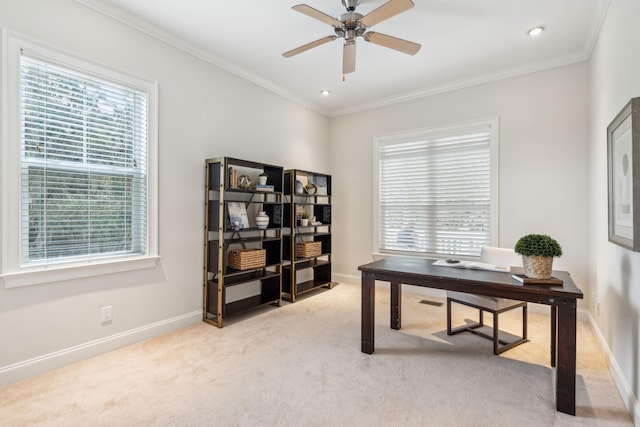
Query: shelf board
[
  {"x": 237, "y": 277},
  {"x": 312, "y": 233},
  {"x": 307, "y": 203},
  {"x": 247, "y": 304},
  {"x": 231, "y": 230},
  {"x": 247, "y": 240},
  {"x": 249, "y": 191},
  {"x": 317, "y": 261},
  {"x": 312, "y": 262},
  {"x": 310, "y": 285}
]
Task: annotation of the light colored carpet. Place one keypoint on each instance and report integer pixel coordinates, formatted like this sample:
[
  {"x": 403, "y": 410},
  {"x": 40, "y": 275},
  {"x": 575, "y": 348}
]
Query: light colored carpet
[{"x": 301, "y": 365}]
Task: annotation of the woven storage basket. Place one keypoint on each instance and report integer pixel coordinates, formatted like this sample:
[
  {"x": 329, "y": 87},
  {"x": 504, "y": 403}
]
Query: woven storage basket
[
  {"x": 245, "y": 259},
  {"x": 537, "y": 267},
  {"x": 308, "y": 249}
]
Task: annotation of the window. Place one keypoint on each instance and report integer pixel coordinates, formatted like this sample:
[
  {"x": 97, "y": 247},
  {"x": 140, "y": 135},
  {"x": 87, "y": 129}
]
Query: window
[
  {"x": 84, "y": 146},
  {"x": 437, "y": 190}
]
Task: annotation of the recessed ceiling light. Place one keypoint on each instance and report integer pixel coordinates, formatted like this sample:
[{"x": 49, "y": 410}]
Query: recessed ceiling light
[
  {"x": 325, "y": 92},
  {"x": 535, "y": 31}
]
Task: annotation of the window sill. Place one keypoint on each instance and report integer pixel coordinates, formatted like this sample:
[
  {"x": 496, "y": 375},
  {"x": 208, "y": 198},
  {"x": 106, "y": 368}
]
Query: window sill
[{"x": 60, "y": 273}]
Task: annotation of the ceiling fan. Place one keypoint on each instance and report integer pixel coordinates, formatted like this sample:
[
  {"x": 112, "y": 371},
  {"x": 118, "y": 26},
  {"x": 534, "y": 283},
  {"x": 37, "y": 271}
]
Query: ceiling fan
[{"x": 352, "y": 25}]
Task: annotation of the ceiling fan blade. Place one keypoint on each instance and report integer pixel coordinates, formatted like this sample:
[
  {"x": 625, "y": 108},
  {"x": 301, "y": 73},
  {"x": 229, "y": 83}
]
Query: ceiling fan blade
[
  {"x": 316, "y": 14},
  {"x": 386, "y": 11},
  {"x": 391, "y": 42},
  {"x": 349, "y": 57},
  {"x": 308, "y": 46}
]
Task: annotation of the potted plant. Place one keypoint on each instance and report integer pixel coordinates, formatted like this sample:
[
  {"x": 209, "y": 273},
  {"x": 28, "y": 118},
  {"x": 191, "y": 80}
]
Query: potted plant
[
  {"x": 538, "y": 251},
  {"x": 262, "y": 178},
  {"x": 304, "y": 219}
]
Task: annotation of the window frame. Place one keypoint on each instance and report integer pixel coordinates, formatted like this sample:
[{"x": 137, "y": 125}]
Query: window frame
[
  {"x": 440, "y": 131},
  {"x": 12, "y": 274}
]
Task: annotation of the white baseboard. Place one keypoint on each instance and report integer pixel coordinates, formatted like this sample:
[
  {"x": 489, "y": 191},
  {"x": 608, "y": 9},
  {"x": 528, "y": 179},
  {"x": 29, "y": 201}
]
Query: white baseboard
[
  {"x": 19, "y": 371},
  {"x": 345, "y": 278},
  {"x": 626, "y": 392}
]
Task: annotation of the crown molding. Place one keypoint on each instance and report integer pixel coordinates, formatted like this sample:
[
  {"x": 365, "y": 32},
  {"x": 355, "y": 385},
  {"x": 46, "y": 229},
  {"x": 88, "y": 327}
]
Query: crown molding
[
  {"x": 143, "y": 26},
  {"x": 466, "y": 83},
  {"x": 595, "y": 29},
  {"x": 560, "y": 61},
  {"x": 129, "y": 19}
]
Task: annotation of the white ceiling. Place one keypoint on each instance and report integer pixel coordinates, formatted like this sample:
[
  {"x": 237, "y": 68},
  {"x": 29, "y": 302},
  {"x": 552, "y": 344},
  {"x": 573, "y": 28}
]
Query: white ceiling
[{"x": 464, "y": 42}]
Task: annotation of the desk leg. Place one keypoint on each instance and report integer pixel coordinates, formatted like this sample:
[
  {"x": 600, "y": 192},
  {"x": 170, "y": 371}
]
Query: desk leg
[
  {"x": 566, "y": 359},
  {"x": 554, "y": 331},
  {"x": 396, "y": 304},
  {"x": 368, "y": 313}
]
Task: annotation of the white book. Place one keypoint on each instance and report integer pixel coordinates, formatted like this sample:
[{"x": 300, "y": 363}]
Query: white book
[{"x": 472, "y": 265}]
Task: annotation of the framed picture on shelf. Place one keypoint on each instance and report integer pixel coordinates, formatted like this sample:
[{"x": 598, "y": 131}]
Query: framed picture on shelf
[
  {"x": 238, "y": 218},
  {"x": 320, "y": 182},
  {"x": 277, "y": 215},
  {"x": 623, "y": 158}
]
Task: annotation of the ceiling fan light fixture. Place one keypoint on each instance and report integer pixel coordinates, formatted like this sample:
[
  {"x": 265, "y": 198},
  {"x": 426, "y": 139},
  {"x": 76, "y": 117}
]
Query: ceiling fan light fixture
[{"x": 535, "y": 31}]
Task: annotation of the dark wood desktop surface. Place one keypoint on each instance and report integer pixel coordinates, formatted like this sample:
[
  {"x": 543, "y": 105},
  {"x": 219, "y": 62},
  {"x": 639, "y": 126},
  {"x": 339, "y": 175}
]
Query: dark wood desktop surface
[{"x": 421, "y": 272}]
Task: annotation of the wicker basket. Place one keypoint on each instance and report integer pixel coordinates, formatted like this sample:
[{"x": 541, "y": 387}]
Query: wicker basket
[
  {"x": 308, "y": 249},
  {"x": 245, "y": 259},
  {"x": 537, "y": 267}
]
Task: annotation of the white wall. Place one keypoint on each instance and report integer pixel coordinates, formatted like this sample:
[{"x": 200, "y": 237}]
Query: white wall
[
  {"x": 614, "y": 272},
  {"x": 543, "y": 161},
  {"x": 203, "y": 112}
]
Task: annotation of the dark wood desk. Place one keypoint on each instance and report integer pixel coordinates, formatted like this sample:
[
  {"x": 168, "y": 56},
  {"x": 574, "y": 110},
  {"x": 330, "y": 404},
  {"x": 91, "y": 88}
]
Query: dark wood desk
[{"x": 420, "y": 272}]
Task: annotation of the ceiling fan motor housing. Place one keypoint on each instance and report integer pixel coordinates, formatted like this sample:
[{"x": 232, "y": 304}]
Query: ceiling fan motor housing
[{"x": 351, "y": 26}]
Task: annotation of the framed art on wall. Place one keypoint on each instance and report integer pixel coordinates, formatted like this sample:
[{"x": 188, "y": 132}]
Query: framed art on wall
[{"x": 623, "y": 156}]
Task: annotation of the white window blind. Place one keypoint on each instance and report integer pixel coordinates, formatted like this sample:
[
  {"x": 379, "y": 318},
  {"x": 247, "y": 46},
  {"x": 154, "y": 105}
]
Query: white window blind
[
  {"x": 83, "y": 166},
  {"x": 435, "y": 191}
]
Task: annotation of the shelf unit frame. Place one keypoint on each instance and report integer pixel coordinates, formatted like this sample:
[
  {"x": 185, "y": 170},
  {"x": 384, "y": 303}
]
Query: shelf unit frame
[
  {"x": 318, "y": 205},
  {"x": 220, "y": 236}
]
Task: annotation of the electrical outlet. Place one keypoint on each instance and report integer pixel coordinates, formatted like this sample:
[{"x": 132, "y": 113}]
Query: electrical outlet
[{"x": 106, "y": 315}]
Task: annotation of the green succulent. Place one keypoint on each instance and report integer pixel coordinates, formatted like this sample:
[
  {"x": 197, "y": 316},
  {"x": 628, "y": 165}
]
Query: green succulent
[
  {"x": 305, "y": 215},
  {"x": 538, "y": 245}
]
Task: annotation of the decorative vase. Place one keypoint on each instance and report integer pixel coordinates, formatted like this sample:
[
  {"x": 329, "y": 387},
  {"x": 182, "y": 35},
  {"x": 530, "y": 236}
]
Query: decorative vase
[
  {"x": 304, "y": 222},
  {"x": 537, "y": 267},
  {"x": 262, "y": 180},
  {"x": 299, "y": 187},
  {"x": 262, "y": 220}
]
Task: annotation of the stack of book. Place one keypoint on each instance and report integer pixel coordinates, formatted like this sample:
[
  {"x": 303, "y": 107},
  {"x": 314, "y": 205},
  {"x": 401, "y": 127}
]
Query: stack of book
[
  {"x": 265, "y": 187},
  {"x": 522, "y": 278}
]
